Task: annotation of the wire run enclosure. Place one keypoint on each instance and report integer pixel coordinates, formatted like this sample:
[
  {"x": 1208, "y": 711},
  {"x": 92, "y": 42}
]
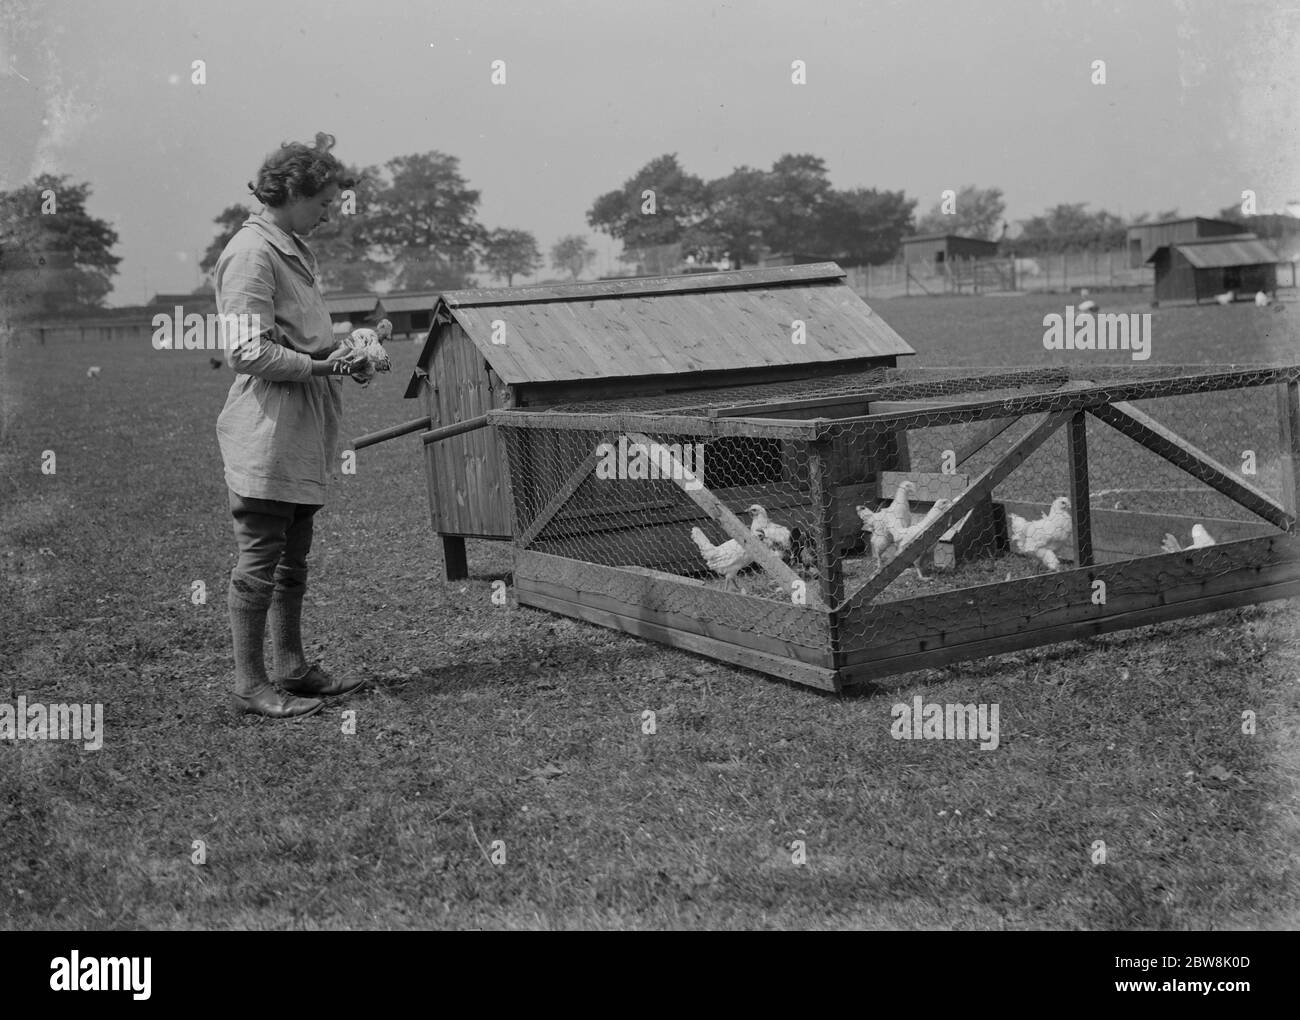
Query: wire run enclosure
[{"x": 923, "y": 517}]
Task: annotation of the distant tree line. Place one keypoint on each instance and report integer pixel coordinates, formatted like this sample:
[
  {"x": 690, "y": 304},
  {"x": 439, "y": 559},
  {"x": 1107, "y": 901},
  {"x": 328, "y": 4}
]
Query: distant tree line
[{"x": 413, "y": 224}]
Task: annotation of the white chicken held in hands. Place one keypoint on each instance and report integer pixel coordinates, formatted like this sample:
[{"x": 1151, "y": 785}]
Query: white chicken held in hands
[
  {"x": 1045, "y": 537},
  {"x": 369, "y": 342},
  {"x": 775, "y": 536},
  {"x": 725, "y": 560},
  {"x": 1200, "y": 539}
]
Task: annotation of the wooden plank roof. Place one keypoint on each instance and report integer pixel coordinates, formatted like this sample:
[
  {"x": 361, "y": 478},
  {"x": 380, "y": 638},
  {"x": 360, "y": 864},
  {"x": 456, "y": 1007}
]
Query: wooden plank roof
[
  {"x": 704, "y": 322},
  {"x": 1220, "y": 252}
]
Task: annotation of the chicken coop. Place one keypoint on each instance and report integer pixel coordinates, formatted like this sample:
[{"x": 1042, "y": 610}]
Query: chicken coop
[
  {"x": 899, "y": 519},
  {"x": 619, "y": 344}
]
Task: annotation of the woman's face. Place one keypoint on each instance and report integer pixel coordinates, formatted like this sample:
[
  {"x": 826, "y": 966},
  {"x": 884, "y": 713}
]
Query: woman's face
[{"x": 306, "y": 214}]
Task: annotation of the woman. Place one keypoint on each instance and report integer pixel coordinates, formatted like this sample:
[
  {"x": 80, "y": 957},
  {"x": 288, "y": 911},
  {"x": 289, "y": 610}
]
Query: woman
[{"x": 280, "y": 424}]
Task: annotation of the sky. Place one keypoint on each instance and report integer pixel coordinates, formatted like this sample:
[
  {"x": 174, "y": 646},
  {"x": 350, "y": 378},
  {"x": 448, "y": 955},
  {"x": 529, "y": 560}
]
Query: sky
[{"x": 1201, "y": 101}]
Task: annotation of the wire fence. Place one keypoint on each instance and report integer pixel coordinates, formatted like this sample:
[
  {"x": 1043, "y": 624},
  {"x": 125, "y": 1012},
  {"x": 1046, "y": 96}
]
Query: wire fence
[{"x": 917, "y": 503}]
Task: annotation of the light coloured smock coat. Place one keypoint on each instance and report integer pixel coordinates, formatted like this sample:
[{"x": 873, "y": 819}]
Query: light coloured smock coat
[{"x": 279, "y": 429}]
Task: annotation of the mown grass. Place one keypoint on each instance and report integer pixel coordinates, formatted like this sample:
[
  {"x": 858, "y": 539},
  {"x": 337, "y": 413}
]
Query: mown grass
[{"x": 486, "y": 723}]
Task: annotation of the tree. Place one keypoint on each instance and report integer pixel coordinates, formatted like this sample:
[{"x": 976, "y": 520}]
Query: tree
[
  {"x": 976, "y": 212},
  {"x": 1070, "y": 227},
  {"x": 54, "y": 256},
  {"x": 862, "y": 225},
  {"x": 657, "y": 206},
  {"x": 572, "y": 254},
  {"x": 345, "y": 248},
  {"x": 510, "y": 252},
  {"x": 796, "y": 192},
  {"x": 426, "y": 223},
  {"x": 1159, "y": 217},
  {"x": 229, "y": 220},
  {"x": 739, "y": 217}
]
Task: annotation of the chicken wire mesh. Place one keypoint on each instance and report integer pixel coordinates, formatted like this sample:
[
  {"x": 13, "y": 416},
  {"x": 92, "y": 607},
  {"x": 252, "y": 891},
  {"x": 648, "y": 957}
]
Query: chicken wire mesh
[{"x": 863, "y": 498}]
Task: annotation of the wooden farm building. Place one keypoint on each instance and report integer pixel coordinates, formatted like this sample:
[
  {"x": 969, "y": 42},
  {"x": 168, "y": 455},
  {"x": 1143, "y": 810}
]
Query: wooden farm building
[
  {"x": 1200, "y": 269},
  {"x": 616, "y": 344},
  {"x": 1144, "y": 238},
  {"x": 940, "y": 248},
  {"x": 357, "y": 309},
  {"x": 410, "y": 311}
]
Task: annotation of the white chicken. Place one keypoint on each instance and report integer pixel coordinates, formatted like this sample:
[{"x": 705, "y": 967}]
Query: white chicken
[
  {"x": 1262, "y": 300},
  {"x": 1200, "y": 539},
  {"x": 1044, "y": 537},
  {"x": 1087, "y": 305},
  {"x": 775, "y": 536},
  {"x": 876, "y": 524},
  {"x": 899, "y": 512},
  {"x": 725, "y": 560},
  {"x": 1226, "y": 298},
  {"x": 888, "y": 525},
  {"x": 92, "y": 372},
  {"x": 370, "y": 342},
  {"x": 909, "y": 534}
]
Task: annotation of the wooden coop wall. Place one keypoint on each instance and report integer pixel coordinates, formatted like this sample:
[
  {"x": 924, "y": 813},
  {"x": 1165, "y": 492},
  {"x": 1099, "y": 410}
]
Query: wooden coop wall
[
  {"x": 466, "y": 474},
  {"x": 832, "y": 640}
]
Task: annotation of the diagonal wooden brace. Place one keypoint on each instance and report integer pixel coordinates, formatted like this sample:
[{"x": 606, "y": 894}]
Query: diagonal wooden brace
[
  {"x": 675, "y": 470},
  {"x": 565, "y": 493},
  {"x": 981, "y": 487},
  {"x": 1145, "y": 430}
]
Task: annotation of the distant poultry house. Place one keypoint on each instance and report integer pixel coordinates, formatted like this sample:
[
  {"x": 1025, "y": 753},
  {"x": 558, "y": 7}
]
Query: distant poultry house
[{"x": 1200, "y": 269}]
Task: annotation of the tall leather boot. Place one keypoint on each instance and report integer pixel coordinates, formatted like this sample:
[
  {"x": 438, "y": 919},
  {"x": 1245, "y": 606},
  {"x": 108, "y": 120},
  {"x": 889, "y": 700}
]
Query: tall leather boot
[
  {"x": 289, "y": 663},
  {"x": 248, "y": 599}
]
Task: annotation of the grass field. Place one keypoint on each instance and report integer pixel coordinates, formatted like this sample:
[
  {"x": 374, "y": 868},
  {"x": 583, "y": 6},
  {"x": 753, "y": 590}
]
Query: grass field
[{"x": 492, "y": 723}]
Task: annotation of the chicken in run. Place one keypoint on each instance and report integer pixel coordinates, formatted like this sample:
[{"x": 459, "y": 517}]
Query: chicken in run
[
  {"x": 775, "y": 536},
  {"x": 1044, "y": 537},
  {"x": 1226, "y": 298},
  {"x": 887, "y": 525},
  {"x": 899, "y": 512},
  {"x": 802, "y": 554},
  {"x": 725, "y": 560},
  {"x": 876, "y": 524},
  {"x": 1200, "y": 539},
  {"x": 909, "y": 534},
  {"x": 370, "y": 342},
  {"x": 1087, "y": 305}
]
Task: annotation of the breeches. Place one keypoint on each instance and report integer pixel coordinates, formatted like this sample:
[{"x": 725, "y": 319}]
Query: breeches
[{"x": 273, "y": 537}]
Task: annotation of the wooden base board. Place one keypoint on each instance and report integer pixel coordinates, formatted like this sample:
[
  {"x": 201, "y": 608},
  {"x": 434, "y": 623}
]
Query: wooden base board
[
  {"x": 919, "y": 633},
  {"x": 725, "y": 651},
  {"x": 861, "y": 672}
]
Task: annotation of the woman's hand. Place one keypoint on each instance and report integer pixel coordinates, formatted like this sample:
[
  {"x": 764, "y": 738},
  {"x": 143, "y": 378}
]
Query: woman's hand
[{"x": 342, "y": 361}]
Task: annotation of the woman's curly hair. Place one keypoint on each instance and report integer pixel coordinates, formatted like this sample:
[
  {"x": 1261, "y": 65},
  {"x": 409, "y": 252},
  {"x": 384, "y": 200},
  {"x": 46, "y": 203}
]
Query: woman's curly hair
[{"x": 297, "y": 170}]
